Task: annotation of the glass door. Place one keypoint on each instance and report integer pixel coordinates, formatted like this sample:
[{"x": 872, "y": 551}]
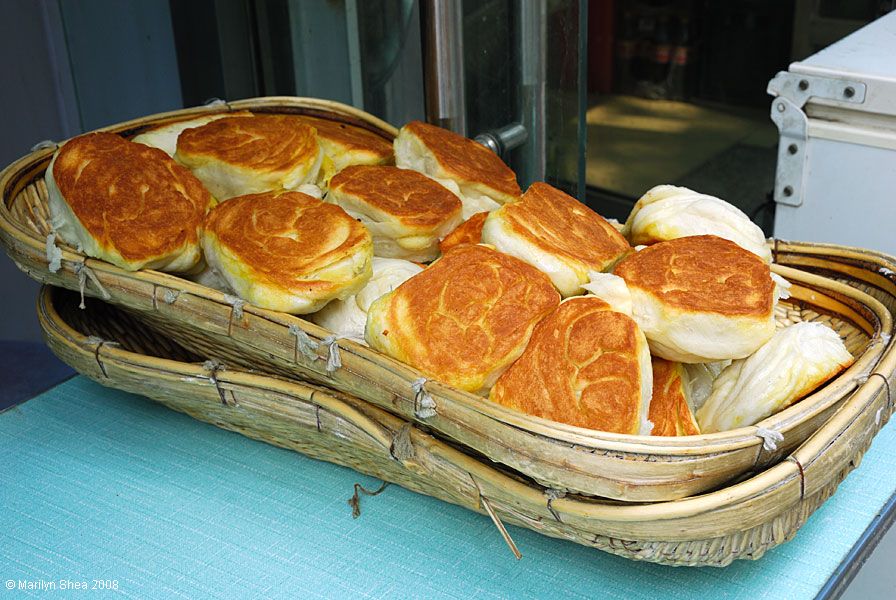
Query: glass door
[{"x": 510, "y": 73}]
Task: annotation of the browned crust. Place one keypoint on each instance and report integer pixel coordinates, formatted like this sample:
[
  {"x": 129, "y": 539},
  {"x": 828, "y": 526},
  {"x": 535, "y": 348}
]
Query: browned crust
[
  {"x": 702, "y": 273},
  {"x": 669, "y": 409},
  {"x": 582, "y": 349},
  {"x": 166, "y": 124},
  {"x": 130, "y": 198},
  {"x": 351, "y": 138},
  {"x": 285, "y": 236},
  {"x": 561, "y": 225},
  {"x": 468, "y": 232},
  {"x": 470, "y": 312},
  {"x": 410, "y": 197},
  {"x": 465, "y": 160},
  {"x": 268, "y": 143}
]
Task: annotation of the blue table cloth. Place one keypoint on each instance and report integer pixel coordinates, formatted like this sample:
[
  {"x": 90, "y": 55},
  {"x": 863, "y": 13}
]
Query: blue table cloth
[{"x": 104, "y": 486}]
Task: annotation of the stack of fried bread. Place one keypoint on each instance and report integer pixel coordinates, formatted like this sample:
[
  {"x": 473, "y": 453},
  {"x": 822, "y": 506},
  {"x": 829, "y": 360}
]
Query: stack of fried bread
[
  {"x": 531, "y": 300},
  {"x": 477, "y": 176},
  {"x": 406, "y": 212},
  {"x": 345, "y": 145},
  {"x": 287, "y": 251},
  {"x": 236, "y": 156}
]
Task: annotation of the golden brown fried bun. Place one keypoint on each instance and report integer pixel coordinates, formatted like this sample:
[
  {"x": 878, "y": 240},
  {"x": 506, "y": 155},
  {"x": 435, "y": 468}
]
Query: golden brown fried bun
[
  {"x": 406, "y": 212},
  {"x": 287, "y": 251},
  {"x": 164, "y": 137},
  {"x": 346, "y": 145},
  {"x": 126, "y": 203},
  {"x": 670, "y": 411},
  {"x": 238, "y": 156},
  {"x": 465, "y": 318},
  {"x": 557, "y": 234},
  {"x": 700, "y": 298},
  {"x": 473, "y": 172},
  {"x": 585, "y": 365},
  {"x": 468, "y": 232}
]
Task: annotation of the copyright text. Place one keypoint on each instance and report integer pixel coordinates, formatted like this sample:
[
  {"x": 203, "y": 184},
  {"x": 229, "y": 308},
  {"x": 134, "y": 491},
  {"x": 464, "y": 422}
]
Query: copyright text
[{"x": 46, "y": 585}]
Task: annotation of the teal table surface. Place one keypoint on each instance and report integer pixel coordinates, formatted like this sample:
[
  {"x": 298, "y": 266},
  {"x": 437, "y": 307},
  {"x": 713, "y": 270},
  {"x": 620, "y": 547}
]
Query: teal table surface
[{"x": 100, "y": 485}]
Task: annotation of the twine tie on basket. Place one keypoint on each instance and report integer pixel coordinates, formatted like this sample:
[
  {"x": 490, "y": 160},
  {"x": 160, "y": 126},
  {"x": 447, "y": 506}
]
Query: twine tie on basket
[
  {"x": 216, "y": 102},
  {"x": 864, "y": 379},
  {"x": 213, "y": 366},
  {"x": 424, "y": 404},
  {"x": 799, "y": 466},
  {"x": 99, "y": 343},
  {"x": 84, "y": 272},
  {"x": 43, "y": 145},
  {"x": 54, "y": 254},
  {"x": 334, "y": 360},
  {"x": 56, "y": 222},
  {"x": 402, "y": 447},
  {"x": 355, "y": 500},
  {"x": 304, "y": 343},
  {"x": 770, "y": 438},
  {"x": 237, "y": 304},
  {"x": 170, "y": 296}
]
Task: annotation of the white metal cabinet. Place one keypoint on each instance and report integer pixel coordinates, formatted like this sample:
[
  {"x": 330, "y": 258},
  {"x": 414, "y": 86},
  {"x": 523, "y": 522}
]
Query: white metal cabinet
[{"x": 836, "y": 113}]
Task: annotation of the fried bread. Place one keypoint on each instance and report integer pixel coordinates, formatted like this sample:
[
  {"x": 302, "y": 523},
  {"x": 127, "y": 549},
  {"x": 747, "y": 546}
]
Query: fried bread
[
  {"x": 476, "y": 174},
  {"x": 585, "y": 365},
  {"x": 465, "y": 318},
  {"x": 406, "y": 212},
  {"x": 237, "y": 156},
  {"x": 126, "y": 203},
  {"x": 287, "y": 251},
  {"x": 700, "y": 298},
  {"x": 557, "y": 234}
]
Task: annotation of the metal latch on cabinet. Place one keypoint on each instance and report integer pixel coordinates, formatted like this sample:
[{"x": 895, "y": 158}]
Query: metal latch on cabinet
[{"x": 792, "y": 91}]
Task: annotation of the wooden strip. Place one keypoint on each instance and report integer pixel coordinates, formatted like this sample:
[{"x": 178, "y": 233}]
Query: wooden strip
[{"x": 503, "y": 530}]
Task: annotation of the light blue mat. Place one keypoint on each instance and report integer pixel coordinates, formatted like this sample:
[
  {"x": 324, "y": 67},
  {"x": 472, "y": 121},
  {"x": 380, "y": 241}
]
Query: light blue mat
[{"x": 102, "y": 485}]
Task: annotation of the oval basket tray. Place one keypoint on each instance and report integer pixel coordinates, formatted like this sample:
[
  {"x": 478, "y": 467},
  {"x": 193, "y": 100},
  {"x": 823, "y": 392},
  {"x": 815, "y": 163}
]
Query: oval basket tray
[
  {"x": 565, "y": 458},
  {"x": 741, "y": 521}
]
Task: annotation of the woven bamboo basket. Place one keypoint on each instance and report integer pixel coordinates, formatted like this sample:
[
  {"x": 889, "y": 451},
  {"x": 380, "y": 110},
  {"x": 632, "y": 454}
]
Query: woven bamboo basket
[
  {"x": 740, "y": 521},
  {"x": 562, "y": 457}
]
